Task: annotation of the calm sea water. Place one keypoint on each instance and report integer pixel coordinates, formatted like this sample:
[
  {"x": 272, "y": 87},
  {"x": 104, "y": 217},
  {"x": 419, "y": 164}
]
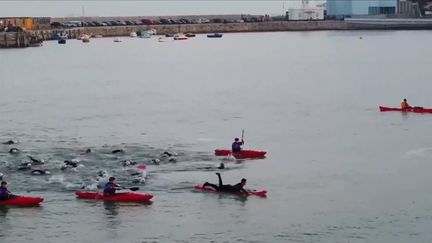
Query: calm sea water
[{"x": 337, "y": 169}]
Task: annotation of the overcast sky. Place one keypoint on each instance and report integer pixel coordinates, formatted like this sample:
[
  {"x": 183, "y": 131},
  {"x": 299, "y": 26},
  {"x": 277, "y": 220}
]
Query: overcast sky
[{"x": 55, "y": 8}]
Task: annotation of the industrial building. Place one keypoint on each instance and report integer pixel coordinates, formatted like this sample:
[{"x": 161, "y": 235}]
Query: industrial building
[
  {"x": 27, "y": 23},
  {"x": 350, "y": 8}
]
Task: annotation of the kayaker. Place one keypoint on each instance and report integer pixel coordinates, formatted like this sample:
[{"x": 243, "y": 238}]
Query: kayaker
[
  {"x": 227, "y": 188},
  {"x": 236, "y": 145},
  {"x": 110, "y": 187},
  {"x": 4, "y": 192},
  {"x": 405, "y": 105}
]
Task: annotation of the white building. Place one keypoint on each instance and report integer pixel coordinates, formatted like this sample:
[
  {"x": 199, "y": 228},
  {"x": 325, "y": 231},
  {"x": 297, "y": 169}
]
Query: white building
[{"x": 305, "y": 14}]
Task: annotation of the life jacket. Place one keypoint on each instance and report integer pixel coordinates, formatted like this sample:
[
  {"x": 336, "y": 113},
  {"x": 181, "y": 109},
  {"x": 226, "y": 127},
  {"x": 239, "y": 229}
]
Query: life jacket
[
  {"x": 4, "y": 193},
  {"x": 109, "y": 188},
  {"x": 405, "y": 105}
]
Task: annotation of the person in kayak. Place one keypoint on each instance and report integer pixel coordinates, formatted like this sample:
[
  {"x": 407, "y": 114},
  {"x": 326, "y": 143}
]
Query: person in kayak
[
  {"x": 4, "y": 192},
  {"x": 236, "y": 145},
  {"x": 405, "y": 105},
  {"x": 110, "y": 188},
  {"x": 227, "y": 188}
]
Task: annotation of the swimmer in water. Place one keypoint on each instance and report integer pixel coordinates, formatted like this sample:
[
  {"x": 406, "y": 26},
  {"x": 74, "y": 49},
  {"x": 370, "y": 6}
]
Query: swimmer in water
[
  {"x": 36, "y": 161},
  {"x": 40, "y": 172},
  {"x": 117, "y": 151},
  {"x": 14, "y": 151}
]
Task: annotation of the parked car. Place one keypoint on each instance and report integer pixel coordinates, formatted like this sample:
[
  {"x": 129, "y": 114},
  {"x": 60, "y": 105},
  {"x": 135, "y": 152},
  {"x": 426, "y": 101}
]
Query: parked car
[
  {"x": 217, "y": 21},
  {"x": 165, "y": 21},
  {"x": 146, "y": 21},
  {"x": 56, "y": 25},
  {"x": 203, "y": 21}
]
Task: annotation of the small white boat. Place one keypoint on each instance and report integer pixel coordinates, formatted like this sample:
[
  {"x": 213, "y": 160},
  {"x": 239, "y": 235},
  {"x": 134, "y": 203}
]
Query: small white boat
[
  {"x": 117, "y": 40},
  {"x": 133, "y": 34},
  {"x": 161, "y": 39},
  {"x": 85, "y": 38},
  {"x": 180, "y": 36}
]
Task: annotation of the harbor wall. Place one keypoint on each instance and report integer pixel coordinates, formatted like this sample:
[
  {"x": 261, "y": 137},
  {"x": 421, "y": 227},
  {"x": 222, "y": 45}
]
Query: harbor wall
[{"x": 23, "y": 39}]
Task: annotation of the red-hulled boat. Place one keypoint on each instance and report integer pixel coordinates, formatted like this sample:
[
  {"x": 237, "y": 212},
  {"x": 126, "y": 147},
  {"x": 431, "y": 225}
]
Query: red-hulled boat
[
  {"x": 261, "y": 193},
  {"x": 414, "y": 109},
  {"x": 22, "y": 201},
  {"x": 243, "y": 154},
  {"x": 118, "y": 197}
]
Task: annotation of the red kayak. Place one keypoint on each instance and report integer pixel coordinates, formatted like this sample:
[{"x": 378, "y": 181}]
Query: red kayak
[
  {"x": 118, "y": 197},
  {"x": 262, "y": 193},
  {"x": 22, "y": 201},
  {"x": 414, "y": 109},
  {"x": 243, "y": 154}
]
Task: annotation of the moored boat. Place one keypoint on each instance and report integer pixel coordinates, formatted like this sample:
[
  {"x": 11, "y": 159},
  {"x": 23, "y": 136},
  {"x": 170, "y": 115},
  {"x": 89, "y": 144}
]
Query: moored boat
[
  {"x": 62, "y": 41},
  {"x": 133, "y": 34},
  {"x": 243, "y": 154},
  {"x": 190, "y": 35},
  {"x": 215, "y": 35},
  {"x": 180, "y": 36},
  {"x": 145, "y": 34},
  {"x": 85, "y": 38}
]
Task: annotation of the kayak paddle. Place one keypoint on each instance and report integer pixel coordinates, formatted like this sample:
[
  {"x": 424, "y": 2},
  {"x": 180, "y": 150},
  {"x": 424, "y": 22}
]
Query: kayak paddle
[{"x": 132, "y": 188}]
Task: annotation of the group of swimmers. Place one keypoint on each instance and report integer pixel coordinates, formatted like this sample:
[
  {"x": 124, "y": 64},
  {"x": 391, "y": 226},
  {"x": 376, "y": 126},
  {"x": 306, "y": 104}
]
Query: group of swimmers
[{"x": 110, "y": 187}]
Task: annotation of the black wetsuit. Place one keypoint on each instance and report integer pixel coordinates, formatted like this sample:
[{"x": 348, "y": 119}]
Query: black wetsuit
[{"x": 226, "y": 188}]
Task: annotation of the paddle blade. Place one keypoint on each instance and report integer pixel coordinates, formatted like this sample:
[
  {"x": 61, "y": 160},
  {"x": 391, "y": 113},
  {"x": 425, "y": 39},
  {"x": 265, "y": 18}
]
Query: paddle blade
[{"x": 134, "y": 189}]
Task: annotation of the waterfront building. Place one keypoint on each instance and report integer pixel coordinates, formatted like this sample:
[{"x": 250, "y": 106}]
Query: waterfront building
[
  {"x": 349, "y": 8},
  {"x": 305, "y": 14}
]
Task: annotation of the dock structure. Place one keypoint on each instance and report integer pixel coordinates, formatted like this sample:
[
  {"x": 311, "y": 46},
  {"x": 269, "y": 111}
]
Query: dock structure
[{"x": 14, "y": 40}]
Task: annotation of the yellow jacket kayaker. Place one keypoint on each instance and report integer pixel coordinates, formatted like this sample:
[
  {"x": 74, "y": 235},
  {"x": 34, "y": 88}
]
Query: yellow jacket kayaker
[{"x": 405, "y": 105}]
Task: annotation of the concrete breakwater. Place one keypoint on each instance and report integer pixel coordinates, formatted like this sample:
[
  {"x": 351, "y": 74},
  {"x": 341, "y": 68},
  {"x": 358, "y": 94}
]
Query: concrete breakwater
[{"x": 23, "y": 39}]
